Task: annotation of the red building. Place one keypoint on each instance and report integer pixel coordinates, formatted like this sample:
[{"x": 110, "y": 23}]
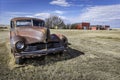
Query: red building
[
  {"x": 93, "y": 27},
  {"x": 87, "y": 26},
  {"x": 83, "y": 25},
  {"x": 99, "y": 27}
]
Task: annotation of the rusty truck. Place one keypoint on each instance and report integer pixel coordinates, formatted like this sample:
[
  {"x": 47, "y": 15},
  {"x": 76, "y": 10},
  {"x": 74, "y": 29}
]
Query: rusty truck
[{"x": 30, "y": 38}]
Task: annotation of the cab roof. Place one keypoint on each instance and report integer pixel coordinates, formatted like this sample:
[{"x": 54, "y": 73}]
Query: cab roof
[{"x": 25, "y": 18}]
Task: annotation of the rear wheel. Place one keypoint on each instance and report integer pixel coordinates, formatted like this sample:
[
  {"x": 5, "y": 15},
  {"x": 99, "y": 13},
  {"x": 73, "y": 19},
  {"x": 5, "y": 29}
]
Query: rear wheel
[{"x": 61, "y": 53}]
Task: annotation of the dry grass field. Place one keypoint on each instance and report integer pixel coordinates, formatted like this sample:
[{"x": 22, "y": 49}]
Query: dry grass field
[{"x": 92, "y": 55}]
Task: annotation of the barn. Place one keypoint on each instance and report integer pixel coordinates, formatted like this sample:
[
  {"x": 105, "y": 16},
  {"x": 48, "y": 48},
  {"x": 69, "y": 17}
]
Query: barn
[{"x": 83, "y": 26}]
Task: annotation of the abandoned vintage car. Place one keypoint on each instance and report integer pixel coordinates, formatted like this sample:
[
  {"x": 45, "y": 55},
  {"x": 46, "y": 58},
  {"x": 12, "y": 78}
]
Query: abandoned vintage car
[{"x": 30, "y": 38}]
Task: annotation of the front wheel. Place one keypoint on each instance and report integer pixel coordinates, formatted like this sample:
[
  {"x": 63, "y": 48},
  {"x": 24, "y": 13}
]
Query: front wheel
[{"x": 18, "y": 60}]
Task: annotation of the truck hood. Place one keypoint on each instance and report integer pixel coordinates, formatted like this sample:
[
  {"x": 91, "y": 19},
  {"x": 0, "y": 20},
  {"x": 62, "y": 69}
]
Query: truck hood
[{"x": 32, "y": 34}]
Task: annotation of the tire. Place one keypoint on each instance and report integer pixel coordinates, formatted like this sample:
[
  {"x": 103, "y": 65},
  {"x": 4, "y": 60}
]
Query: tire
[
  {"x": 61, "y": 53},
  {"x": 18, "y": 60}
]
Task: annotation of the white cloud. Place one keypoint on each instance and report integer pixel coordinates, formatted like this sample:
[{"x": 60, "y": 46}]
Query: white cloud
[
  {"x": 63, "y": 17},
  {"x": 60, "y": 3},
  {"x": 29, "y": 16},
  {"x": 42, "y": 15},
  {"x": 100, "y": 15},
  {"x": 107, "y": 14},
  {"x": 59, "y": 12}
]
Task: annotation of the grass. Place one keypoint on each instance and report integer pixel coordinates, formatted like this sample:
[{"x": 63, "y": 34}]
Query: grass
[{"x": 92, "y": 55}]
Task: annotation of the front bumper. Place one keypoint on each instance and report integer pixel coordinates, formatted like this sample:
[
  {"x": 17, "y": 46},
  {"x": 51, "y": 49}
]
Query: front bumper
[{"x": 39, "y": 53}]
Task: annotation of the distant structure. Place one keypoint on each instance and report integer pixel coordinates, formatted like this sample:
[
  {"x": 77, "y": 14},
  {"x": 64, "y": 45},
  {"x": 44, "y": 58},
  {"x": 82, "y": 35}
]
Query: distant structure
[
  {"x": 83, "y": 25},
  {"x": 99, "y": 27},
  {"x": 3, "y": 26},
  {"x": 87, "y": 26}
]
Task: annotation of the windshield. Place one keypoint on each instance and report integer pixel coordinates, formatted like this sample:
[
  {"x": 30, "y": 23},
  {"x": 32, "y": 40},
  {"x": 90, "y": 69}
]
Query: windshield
[
  {"x": 23, "y": 23},
  {"x": 20, "y": 23}
]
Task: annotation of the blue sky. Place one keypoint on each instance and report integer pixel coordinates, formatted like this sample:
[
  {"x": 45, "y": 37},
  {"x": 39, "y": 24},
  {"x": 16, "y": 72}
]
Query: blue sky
[{"x": 105, "y": 12}]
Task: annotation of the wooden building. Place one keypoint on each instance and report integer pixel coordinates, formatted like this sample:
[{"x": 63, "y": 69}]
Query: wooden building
[{"x": 83, "y": 26}]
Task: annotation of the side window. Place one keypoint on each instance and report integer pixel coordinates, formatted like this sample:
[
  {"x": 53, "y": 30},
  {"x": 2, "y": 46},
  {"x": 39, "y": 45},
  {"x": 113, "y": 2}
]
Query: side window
[
  {"x": 12, "y": 24},
  {"x": 38, "y": 23},
  {"x": 43, "y": 24}
]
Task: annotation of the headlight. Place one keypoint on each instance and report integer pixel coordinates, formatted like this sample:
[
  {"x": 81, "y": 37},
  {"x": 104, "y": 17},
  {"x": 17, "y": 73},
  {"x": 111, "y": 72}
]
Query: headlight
[{"x": 20, "y": 45}]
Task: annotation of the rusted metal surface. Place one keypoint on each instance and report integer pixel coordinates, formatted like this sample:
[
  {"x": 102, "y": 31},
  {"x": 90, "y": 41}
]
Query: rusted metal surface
[
  {"x": 35, "y": 40},
  {"x": 39, "y": 52},
  {"x": 32, "y": 34}
]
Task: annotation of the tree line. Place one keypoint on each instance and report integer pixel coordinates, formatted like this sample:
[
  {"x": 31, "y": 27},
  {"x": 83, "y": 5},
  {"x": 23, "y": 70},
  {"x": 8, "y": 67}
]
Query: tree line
[{"x": 55, "y": 22}]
